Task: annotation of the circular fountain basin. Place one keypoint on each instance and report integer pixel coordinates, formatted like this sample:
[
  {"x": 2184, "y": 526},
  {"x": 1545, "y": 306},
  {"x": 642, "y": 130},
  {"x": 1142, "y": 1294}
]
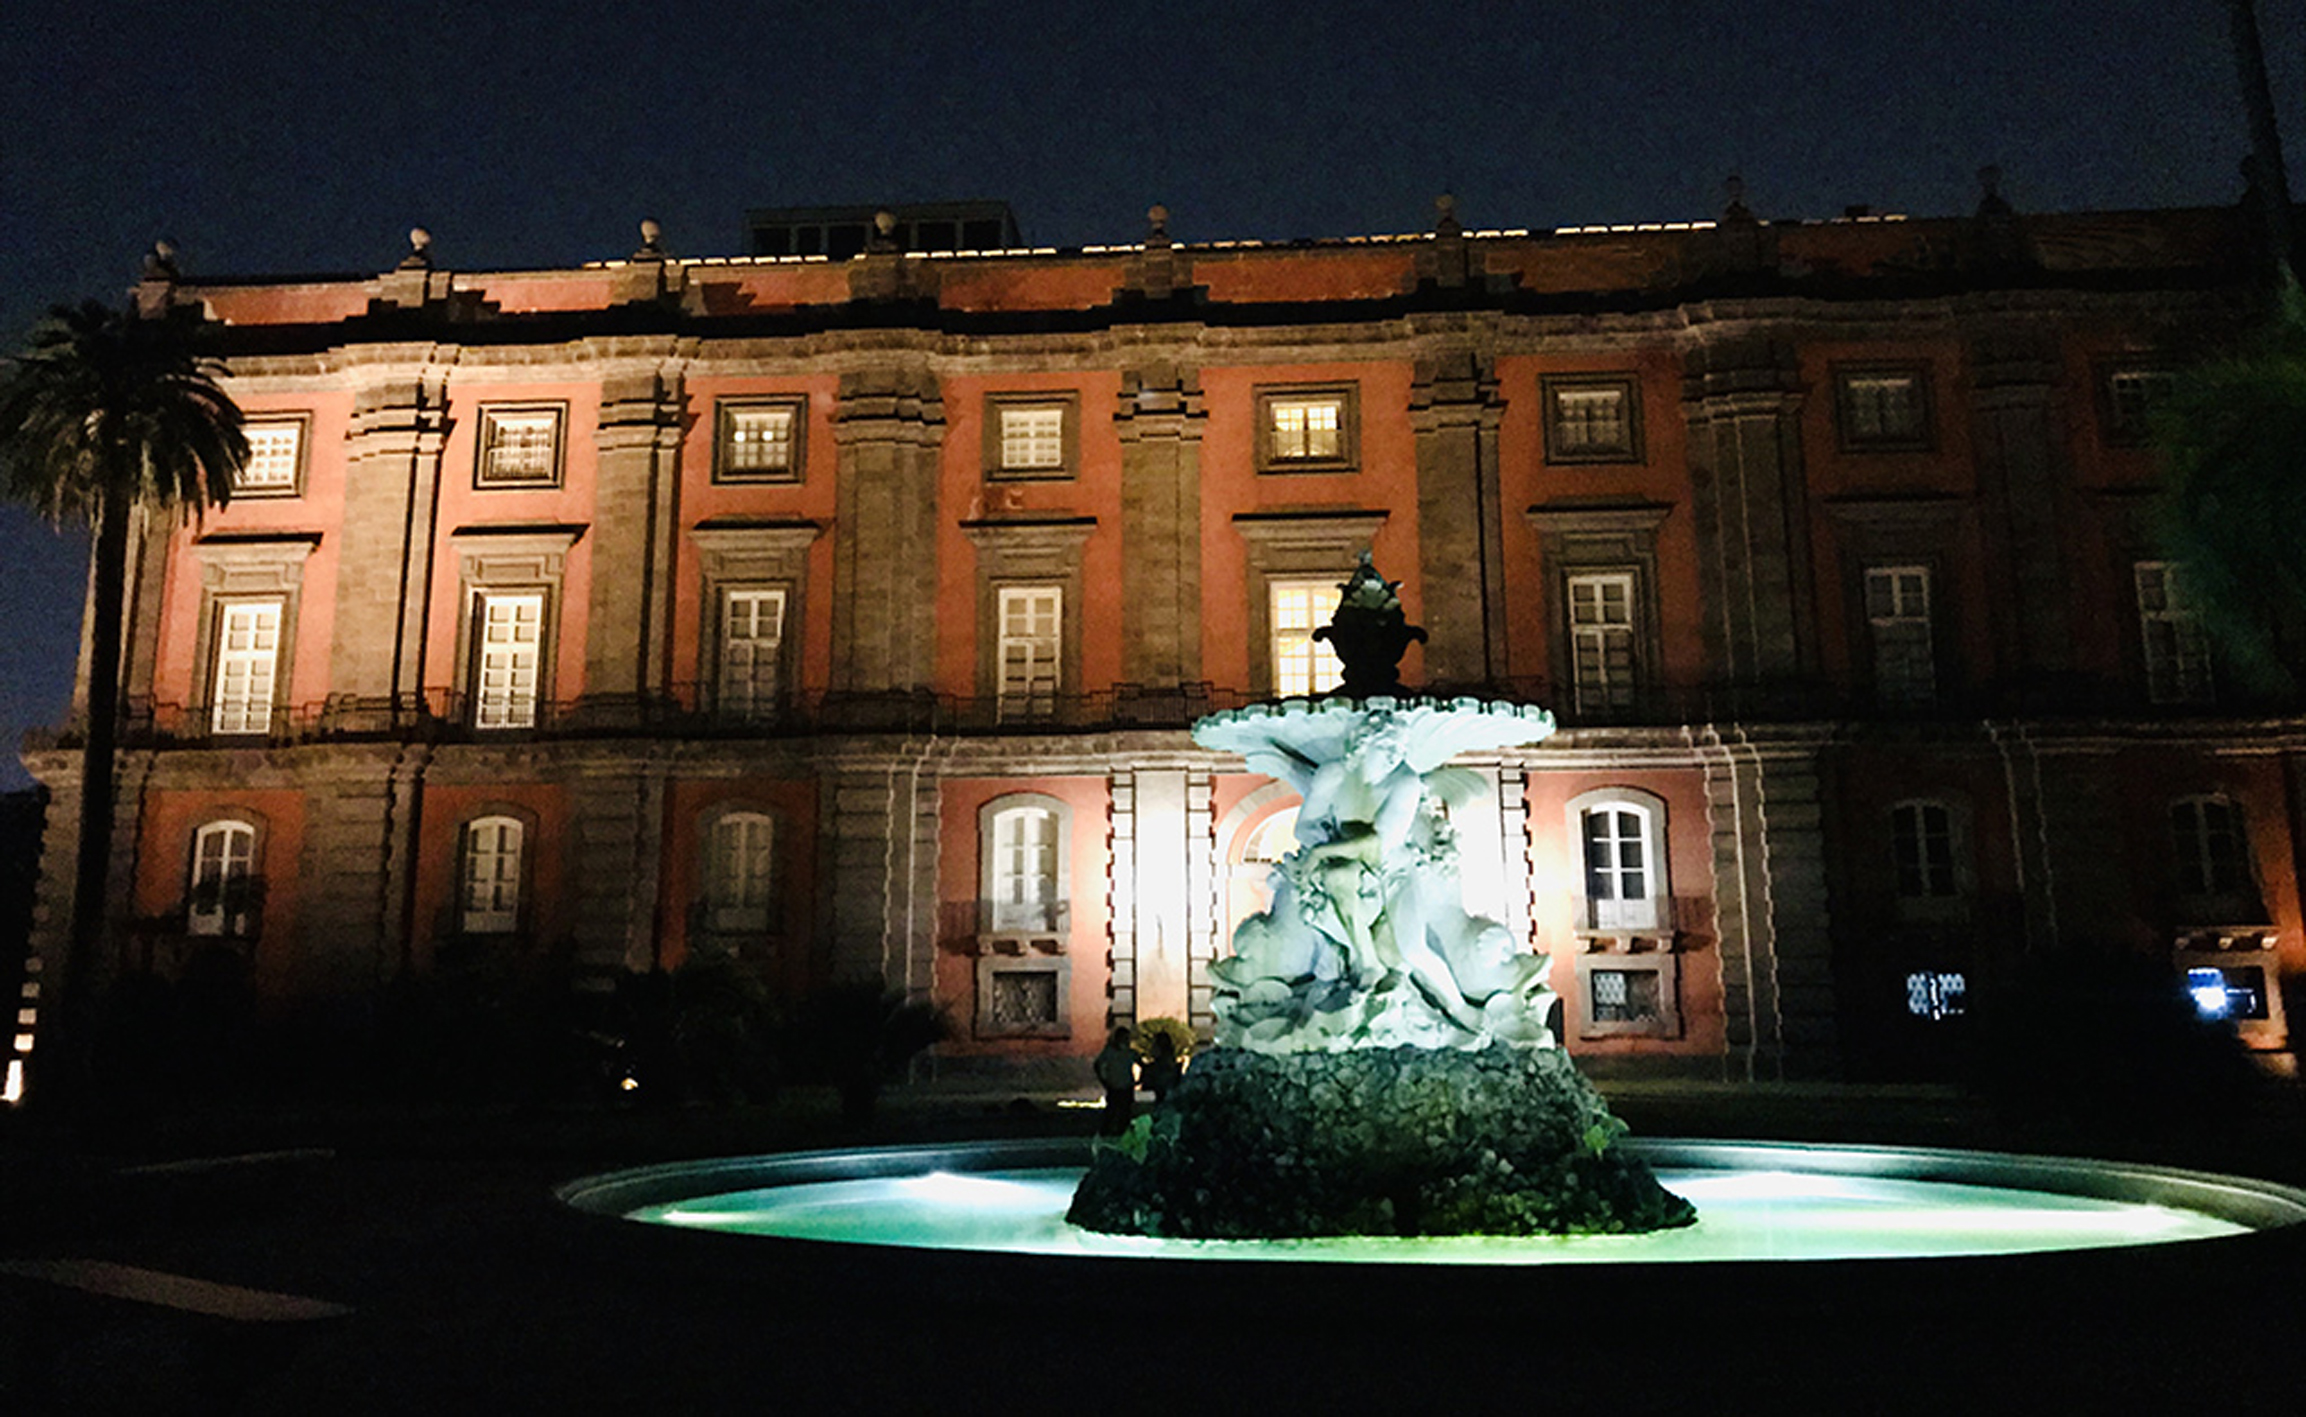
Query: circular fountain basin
[
  {"x": 1756, "y": 1202},
  {"x": 1876, "y": 1278}
]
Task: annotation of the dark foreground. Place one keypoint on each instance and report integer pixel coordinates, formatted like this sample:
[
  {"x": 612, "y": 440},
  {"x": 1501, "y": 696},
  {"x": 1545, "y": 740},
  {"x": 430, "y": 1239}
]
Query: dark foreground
[{"x": 471, "y": 1290}]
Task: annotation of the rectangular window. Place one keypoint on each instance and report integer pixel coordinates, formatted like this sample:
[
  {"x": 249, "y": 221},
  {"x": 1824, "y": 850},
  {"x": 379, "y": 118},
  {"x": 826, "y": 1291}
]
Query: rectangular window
[
  {"x": 1601, "y": 609},
  {"x": 275, "y": 459},
  {"x": 752, "y": 636},
  {"x": 759, "y": 441},
  {"x": 1936, "y": 995},
  {"x": 247, "y": 666},
  {"x": 1030, "y": 643},
  {"x": 1883, "y": 410},
  {"x": 2177, "y": 648},
  {"x": 492, "y": 847},
  {"x": 1625, "y": 995},
  {"x": 1301, "y": 665},
  {"x": 1025, "y": 886},
  {"x": 519, "y": 447},
  {"x": 737, "y": 889},
  {"x": 1029, "y": 437},
  {"x": 1617, "y": 887},
  {"x": 1306, "y": 430},
  {"x": 1591, "y": 420},
  {"x": 1898, "y": 613},
  {"x": 2129, "y": 400},
  {"x": 508, "y": 659},
  {"x": 2210, "y": 860}
]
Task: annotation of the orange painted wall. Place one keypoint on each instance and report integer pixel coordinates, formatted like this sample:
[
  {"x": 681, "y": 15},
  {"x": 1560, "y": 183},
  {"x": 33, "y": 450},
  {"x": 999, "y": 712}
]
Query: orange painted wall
[
  {"x": 1089, "y": 942},
  {"x": 792, "y": 805},
  {"x": 545, "y": 902},
  {"x": 162, "y": 885}
]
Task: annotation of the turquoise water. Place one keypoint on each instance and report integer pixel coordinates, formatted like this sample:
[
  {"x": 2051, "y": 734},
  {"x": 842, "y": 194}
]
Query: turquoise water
[{"x": 1744, "y": 1215}]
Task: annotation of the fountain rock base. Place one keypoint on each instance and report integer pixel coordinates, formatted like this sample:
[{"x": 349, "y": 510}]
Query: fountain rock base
[{"x": 1375, "y": 1141}]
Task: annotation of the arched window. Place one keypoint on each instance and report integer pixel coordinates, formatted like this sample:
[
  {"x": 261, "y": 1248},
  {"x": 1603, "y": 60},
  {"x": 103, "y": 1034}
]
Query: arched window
[
  {"x": 737, "y": 864},
  {"x": 1024, "y": 888},
  {"x": 492, "y": 876},
  {"x": 1619, "y": 835},
  {"x": 223, "y": 867},
  {"x": 2210, "y": 853}
]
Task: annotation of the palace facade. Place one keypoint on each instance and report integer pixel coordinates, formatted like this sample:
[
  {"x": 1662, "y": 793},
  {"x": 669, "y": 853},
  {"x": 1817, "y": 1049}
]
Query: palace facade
[{"x": 847, "y": 617}]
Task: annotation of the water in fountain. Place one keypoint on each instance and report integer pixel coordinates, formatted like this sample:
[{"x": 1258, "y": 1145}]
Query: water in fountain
[{"x": 1383, "y": 1062}]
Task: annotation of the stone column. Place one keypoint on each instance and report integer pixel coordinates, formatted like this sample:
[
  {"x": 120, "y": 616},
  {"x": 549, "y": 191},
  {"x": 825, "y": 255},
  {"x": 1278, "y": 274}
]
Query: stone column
[
  {"x": 1455, "y": 412},
  {"x": 384, "y": 569},
  {"x": 1159, "y": 420},
  {"x": 889, "y": 425},
  {"x": 1742, "y": 401},
  {"x": 2018, "y": 427},
  {"x": 629, "y": 622},
  {"x": 1764, "y": 807}
]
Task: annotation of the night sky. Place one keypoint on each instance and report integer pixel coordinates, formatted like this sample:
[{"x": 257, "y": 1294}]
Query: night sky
[{"x": 293, "y": 138}]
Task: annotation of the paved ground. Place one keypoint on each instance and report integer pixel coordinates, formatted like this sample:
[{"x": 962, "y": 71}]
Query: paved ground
[{"x": 472, "y": 1291}]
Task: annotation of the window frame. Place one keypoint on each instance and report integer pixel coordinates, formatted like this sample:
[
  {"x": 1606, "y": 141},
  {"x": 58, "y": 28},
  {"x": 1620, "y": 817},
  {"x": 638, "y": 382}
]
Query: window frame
[
  {"x": 717, "y": 915},
  {"x": 2242, "y": 900},
  {"x": 221, "y": 610},
  {"x": 1620, "y": 700},
  {"x": 1558, "y": 453},
  {"x": 2173, "y": 685},
  {"x": 298, "y": 460},
  {"x": 1931, "y": 907},
  {"x": 725, "y": 413},
  {"x": 1881, "y": 689},
  {"x": 493, "y": 416},
  {"x": 1922, "y": 439},
  {"x": 515, "y": 919},
  {"x": 758, "y": 709},
  {"x": 1579, "y": 540},
  {"x": 1320, "y": 545},
  {"x": 1346, "y": 394},
  {"x": 2114, "y": 430},
  {"x": 1067, "y": 403},
  {"x": 1032, "y": 705},
  {"x": 220, "y": 922},
  {"x": 1320, "y": 654},
  {"x": 1002, "y": 948},
  {"x": 483, "y": 597}
]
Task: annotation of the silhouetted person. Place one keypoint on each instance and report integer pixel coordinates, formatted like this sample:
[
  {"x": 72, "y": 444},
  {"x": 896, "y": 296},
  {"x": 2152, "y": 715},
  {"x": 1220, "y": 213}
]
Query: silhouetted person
[
  {"x": 1116, "y": 1069},
  {"x": 1162, "y": 1069}
]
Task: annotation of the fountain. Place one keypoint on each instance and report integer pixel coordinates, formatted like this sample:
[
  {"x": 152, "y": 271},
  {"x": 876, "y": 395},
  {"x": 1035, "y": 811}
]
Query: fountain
[{"x": 1386, "y": 1127}]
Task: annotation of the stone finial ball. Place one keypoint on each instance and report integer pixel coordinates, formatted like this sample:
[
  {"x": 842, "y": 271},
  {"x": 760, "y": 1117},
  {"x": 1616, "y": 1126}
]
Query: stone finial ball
[
  {"x": 885, "y": 223},
  {"x": 651, "y": 233},
  {"x": 419, "y": 238}
]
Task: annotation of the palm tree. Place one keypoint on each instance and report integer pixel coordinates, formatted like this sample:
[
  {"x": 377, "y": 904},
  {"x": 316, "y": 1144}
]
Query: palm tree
[
  {"x": 2233, "y": 442},
  {"x": 103, "y": 414}
]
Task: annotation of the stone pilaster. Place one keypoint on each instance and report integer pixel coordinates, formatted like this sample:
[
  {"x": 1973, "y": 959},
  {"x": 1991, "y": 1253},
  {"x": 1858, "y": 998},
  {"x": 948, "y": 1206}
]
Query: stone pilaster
[
  {"x": 1206, "y": 915},
  {"x": 1455, "y": 412},
  {"x": 1121, "y": 900},
  {"x": 384, "y": 575},
  {"x": 344, "y": 947},
  {"x": 629, "y": 621},
  {"x": 2018, "y": 429},
  {"x": 618, "y": 811},
  {"x": 1159, "y": 421},
  {"x": 403, "y": 817},
  {"x": 1742, "y": 404},
  {"x": 889, "y": 425},
  {"x": 878, "y": 838},
  {"x": 1764, "y": 809},
  {"x": 148, "y": 557}
]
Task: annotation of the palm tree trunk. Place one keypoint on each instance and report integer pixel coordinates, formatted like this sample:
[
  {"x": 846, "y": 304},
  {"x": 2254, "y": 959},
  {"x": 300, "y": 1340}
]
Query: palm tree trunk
[{"x": 72, "y": 1073}]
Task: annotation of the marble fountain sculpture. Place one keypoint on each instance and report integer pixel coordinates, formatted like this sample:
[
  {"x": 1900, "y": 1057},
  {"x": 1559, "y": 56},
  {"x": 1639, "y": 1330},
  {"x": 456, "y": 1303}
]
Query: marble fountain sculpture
[{"x": 1383, "y": 1061}]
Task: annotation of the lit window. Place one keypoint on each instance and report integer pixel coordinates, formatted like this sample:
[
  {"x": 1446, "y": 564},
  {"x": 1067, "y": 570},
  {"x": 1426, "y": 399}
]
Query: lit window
[
  {"x": 2208, "y": 848},
  {"x": 519, "y": 447},
  {"x": 2177, "y": 648},
  {"x": 1618, "y": 888},
  {"x": 2237, "y": 992},
  {"x": 1624, "y": 995},
  {"x": 492, "y": 865},
  {"x": 1922, "y": 847},
  {"x": 752, "y": 634},
  {"x": 1898, "y": 613},
  {"x": 223, "y": 862},
  {"x": 1936, "y": 995},
  {"x": 274, "y": 453},
  {"x": 1029, "y": 643},
  {"x": 1023, "y": 874},
  {"x": 1306, "y": 429},
  {"x": 247, "y": 666},
  {"x": 1590, "y": 420},
  {"x": 1883, "y": 409},
  {"x": 1301, "y": 664},
  {"x": 2133, "y": 397},
  {"x": 1032, "y": 438},
  {"x": 1601, "y": 641},
  {"x": 507, "y": 659},
  {"x": 737, "y": 874},
  {"x": 759, "y": 442}
]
